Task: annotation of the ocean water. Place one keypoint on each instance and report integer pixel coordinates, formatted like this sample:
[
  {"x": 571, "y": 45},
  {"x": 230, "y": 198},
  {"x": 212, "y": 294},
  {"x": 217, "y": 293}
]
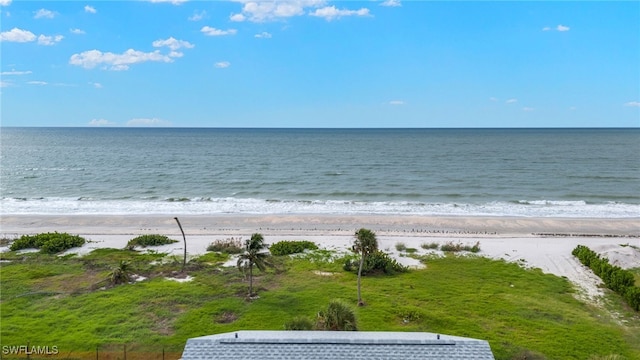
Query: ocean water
[{"x": 496, "y": 172}]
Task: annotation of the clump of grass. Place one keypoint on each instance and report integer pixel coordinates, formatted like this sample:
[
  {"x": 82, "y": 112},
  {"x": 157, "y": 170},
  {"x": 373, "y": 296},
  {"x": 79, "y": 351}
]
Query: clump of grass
[
  {"x": 400, "y": 246},
  {"x": 299, "y": 323},
  {"x": 149, "y": 240},
  {"x": 457, "y": 247},
  {"x": 429, "y": 246},
  {"x": 228, "y": 246}
]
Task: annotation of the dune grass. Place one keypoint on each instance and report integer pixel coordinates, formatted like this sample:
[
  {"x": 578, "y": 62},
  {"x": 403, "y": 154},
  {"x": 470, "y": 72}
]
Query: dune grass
[{"x": 49, "y": 300}]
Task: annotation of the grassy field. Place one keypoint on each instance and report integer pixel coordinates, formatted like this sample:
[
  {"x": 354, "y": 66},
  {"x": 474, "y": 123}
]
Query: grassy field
[{"x": 54, "y": 301}]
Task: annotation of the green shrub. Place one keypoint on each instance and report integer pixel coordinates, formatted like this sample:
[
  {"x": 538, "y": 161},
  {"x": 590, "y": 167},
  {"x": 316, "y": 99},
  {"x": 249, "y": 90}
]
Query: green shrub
[
  {"x": 615, "y": 278},
  {"x": 291, "y": 247},
  {"x": 376, "y": 262},
  {"x": 48, "y": 243},
  {"x": 451, "y": 247},
  {"x": 299, "y": 323},
  {"x": 429, "y": 246},
  {"x": 227, "y": 246},
  {"x": 632, "y": 296},
  {"x": 401, "y": 246},
  {"x": 149, "y": 240}
]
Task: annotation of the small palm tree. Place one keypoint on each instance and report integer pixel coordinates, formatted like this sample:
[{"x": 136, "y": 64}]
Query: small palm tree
[
  {"x": 254, "y": 254},
  {"x": 337, "y": 317},
  {"x": 120, "y": 274},
  {"x": 365, "y": 244}
]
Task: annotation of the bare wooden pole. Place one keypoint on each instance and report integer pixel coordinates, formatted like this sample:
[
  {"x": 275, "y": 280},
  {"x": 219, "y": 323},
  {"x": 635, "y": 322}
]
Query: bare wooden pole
[{"x": 184, "y": 260}]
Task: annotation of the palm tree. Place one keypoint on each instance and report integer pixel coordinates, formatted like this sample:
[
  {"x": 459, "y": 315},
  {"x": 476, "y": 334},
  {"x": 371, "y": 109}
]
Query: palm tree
[
  {"x": 338, "y": 317},
  {"x": 365, "y": 244},
  {"x": 120, "y": 274},
  {"x": 254, "y": 254}
]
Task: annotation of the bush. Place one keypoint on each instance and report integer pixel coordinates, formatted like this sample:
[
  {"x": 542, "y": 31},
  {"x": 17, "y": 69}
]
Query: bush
[
  {"x": 149, "y": 240},
  {"x": 48, "y": 243},
  {"x": 401, "y": 246},
  {"x": 450, "y": 246},
  {"x": 377, "y": 262},
  {"x": 291, "y": 247},
  {"x": 615, "y": 278},
  {"x": 299, "y": 323},
  {"x": 227, "y": 246},
  {"x": 337, "y": 317},
  {"x": 430, "y": 246}
]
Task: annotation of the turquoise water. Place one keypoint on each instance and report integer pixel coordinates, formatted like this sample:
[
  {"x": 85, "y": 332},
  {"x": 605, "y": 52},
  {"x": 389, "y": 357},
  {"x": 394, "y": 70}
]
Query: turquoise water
[{"x": 517, "y": 172}]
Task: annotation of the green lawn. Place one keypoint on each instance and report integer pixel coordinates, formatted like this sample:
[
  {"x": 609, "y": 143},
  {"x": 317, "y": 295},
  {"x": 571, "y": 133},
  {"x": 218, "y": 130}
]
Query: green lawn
[{"x": 47, "y": 300}]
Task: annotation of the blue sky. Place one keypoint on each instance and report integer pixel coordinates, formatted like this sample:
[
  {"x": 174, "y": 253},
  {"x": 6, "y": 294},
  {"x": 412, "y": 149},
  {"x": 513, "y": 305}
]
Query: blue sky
[{"x": 318, "y": 63}]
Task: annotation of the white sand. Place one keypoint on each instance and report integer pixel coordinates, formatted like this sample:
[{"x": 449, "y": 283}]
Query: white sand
[{"x": 527, "y": 241}]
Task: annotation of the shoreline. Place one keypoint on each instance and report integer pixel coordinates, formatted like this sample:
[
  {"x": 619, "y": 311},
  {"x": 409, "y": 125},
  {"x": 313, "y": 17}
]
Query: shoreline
[{"x": 319, "y": 224}]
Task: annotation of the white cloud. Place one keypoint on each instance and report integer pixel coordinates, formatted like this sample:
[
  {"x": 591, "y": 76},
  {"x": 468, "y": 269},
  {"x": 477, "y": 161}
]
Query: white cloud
[
  {"x": 198, "y": 16},
  {"x": 527, "y": 109},
  {"x": 174, "y": 2},
  {"x": 633, "y": 104},
  {"x": 173, "y": 43},
  {"x": 572, "y": 108},
  {"x": 493, "y": 99},
  {"x": 261, "y": 11},
  {"x": 90, "y": 9},
  {"x": 37, "y": 82},
  {"x": 49, "y": 40},
  {"x": 17, "y": 35},
  {"x": 14, "y": 72},
  {"x": 150, "y": 122},
  {"x": 511, "y": 101},
  {"x": 76, "y": 31},
  {"x": 263, "y": 35},
  {"x": 96, "y": 85},
  {"x": 237, "y": 17},
  {"x": 209, "y": 31},
  {"x": 222, "y": 64},
  {"x": 100, "y": 122},
  {"x": 44, "y": 14},
  {"x": 397, "y": 102},
  {"x": 557, "y": 28},
  {"x": 392, "y": 3},
  {"x": 5, "y": 83},
  {"x": 331, "y": 12},
  {"x": 117, "y": 62},
  {"x": 5, "y": 2}
]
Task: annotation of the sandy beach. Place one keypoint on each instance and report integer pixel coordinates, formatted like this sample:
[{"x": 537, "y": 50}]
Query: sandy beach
[{"x": 544, "y": 243}]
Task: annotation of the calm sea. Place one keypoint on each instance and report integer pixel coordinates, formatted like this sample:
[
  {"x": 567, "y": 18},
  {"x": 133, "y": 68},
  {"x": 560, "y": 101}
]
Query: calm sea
[{"x": 515, "y": 172}]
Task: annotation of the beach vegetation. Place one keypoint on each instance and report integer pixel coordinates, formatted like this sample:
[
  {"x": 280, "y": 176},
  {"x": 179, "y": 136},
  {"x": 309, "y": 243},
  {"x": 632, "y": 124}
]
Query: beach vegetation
[
  {"x": 457, "y": 247},
  {"x": 254, "y": 255},
  {"x": 48, "y": 243},
  {"x": 376, "y": 263},
  {"x": 291, "y": 247},
  {"x": 120, "y": 274},
  {"x": 430, "y": 246},
  {"x": 364, "y": 245},
  {"x": 149, "y": 240},
  {"x": 338, "y": 316},
  {"x": 228, "y": 246},
  {"x": 400, "y": 246},
  {"x": 619, "y": 280},
  {"x": 455, "y": 295}
]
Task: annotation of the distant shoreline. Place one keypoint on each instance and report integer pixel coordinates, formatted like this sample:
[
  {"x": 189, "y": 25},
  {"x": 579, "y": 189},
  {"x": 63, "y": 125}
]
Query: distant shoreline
[{"x": 321, "y": 224}]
